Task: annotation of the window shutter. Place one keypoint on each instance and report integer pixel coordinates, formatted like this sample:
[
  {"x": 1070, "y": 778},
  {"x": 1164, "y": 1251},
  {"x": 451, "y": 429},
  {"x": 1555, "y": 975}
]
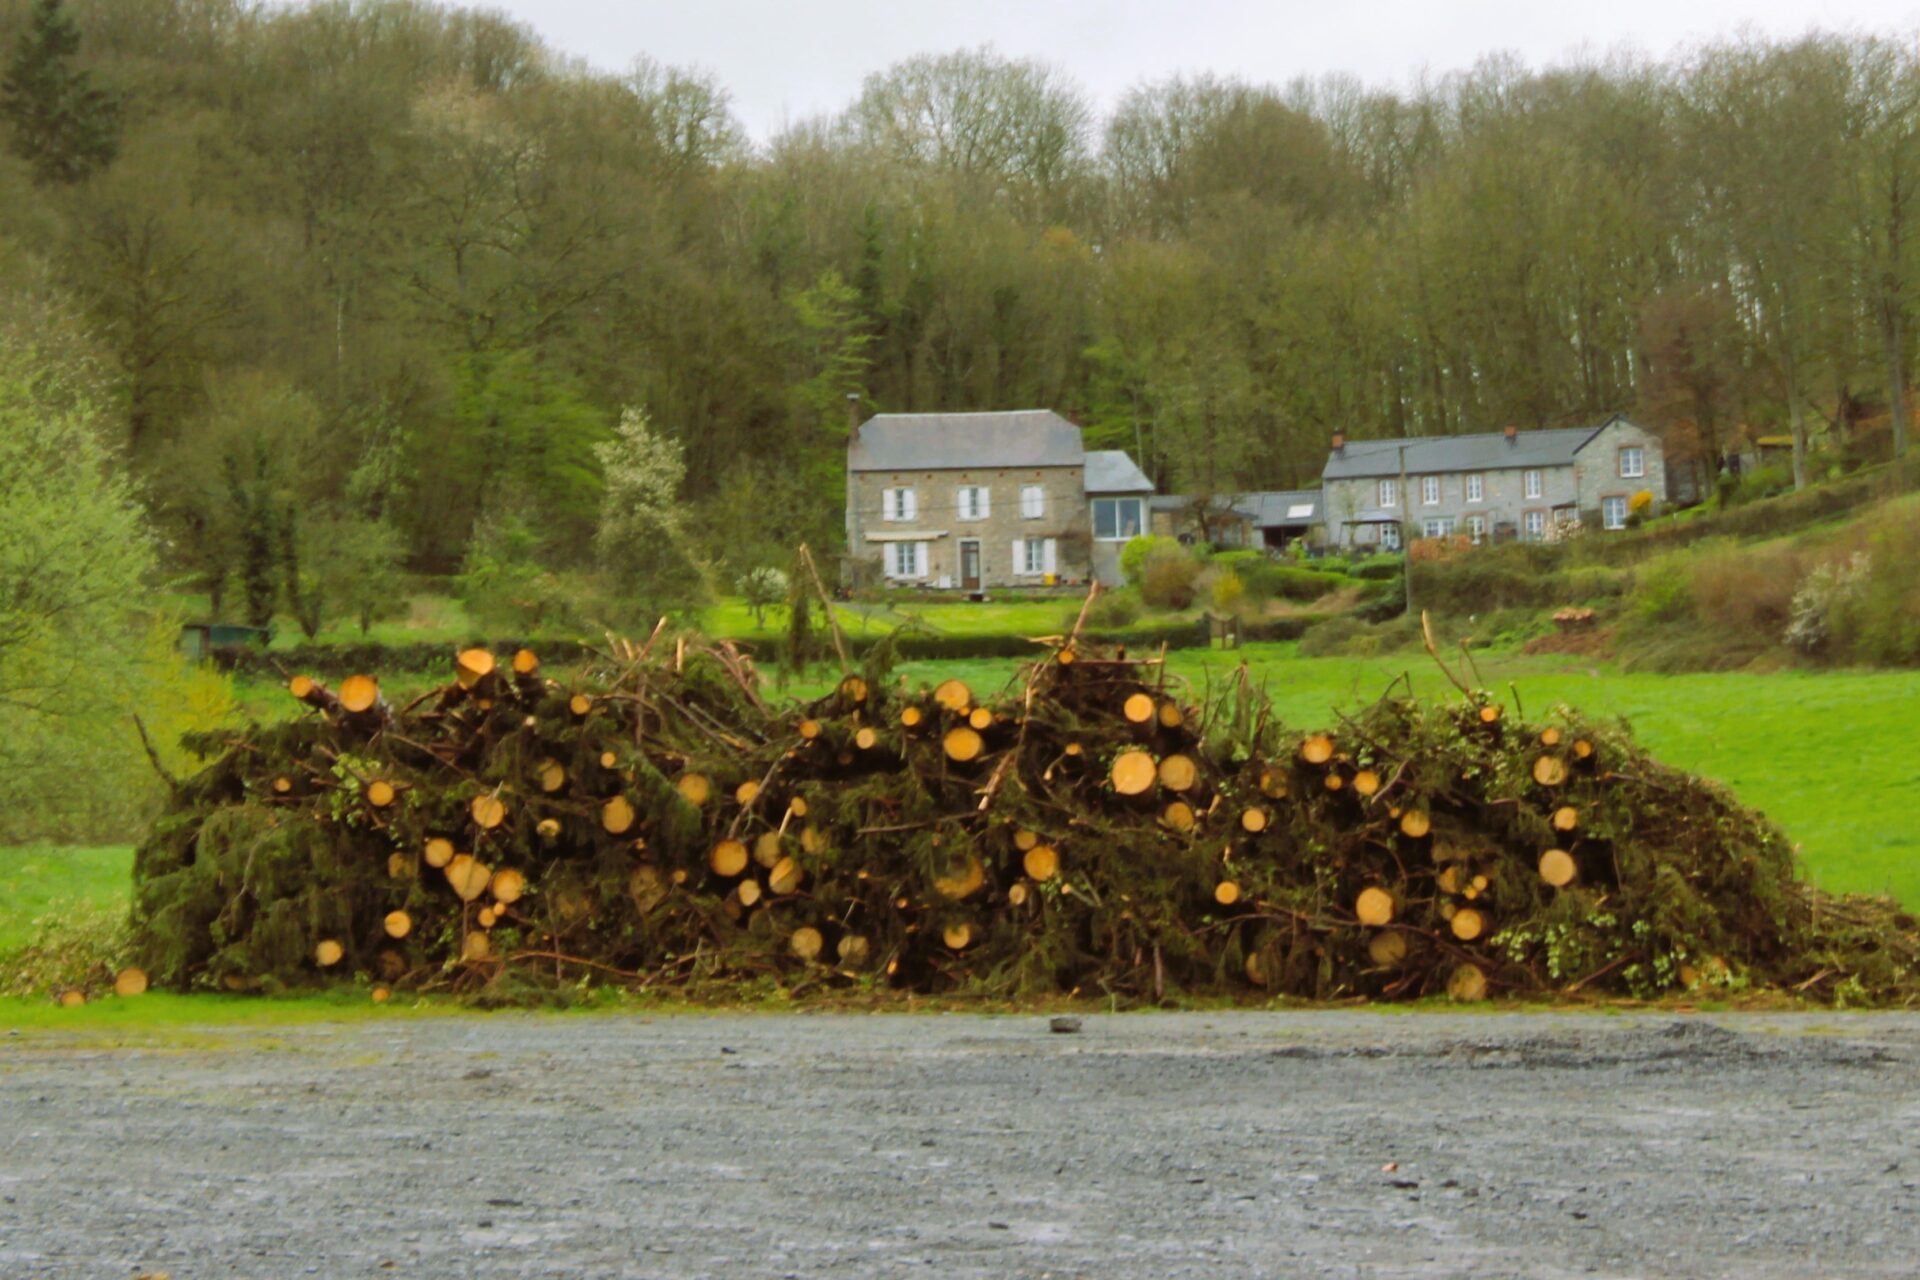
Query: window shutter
[
  {"x": 909, "y": 506},
  {"x": 983, "y": 503},
  {"x": 888, "y": 504},
  {"x": 1019, "y": 556},
  {"x": 1050, "y": 564}
]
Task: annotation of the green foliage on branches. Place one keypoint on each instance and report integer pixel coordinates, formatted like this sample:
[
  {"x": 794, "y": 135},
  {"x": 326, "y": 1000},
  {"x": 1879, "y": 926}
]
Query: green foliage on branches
[{"x": 60, "y": 123}]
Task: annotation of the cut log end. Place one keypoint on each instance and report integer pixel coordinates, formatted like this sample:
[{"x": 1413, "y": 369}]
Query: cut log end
[
  {"x": 1226, "y": 893},
  {"x": 1467, "y": 984},
  {"x": 130, "y": 981},
  {"x": 1415, "y": 823},
  {"x": 963, "y": 744},
  {"x": 954, "y": 695},
  {"x": 1373, "y": 906},
  {"x": 617, "y": 816},
  {"x": 1558, "y": 868},
  {"x": 508, "y": 886},
  {"x": 958, "y": 937},
  {"x": 1387, "y": 948},
  {"x": 805, "y": 942},
  {"x": 488, "y": 811},
  {"x": 962, "y": 881},
  {"x": 1179, "y": 773},
  {"x": 359, "y": 694},
  {"x": 1134, "y": 772},
  {"x": 1138, "y": 708},
  {"x": 328, "y": 952},
  {"x": 1254, "y": 820},
  {"x": 1041, "y": 863},
  {"x": 1366, "y": 782},
  {"x": 695, "y": 788},
  {"x": 1317, "y": 749},
  {"x": 398, "y": 924},
  {"x": 439, "y": 852},
  {"x": 1566, "y": 818},
  {"x": 471, "y": 666},
  {"x": 1467, "y": 924},
  {"x": 786, "y": 876},
  {"x": 1549, "y": 771},
  {"x": 729, "y": 858},
  {"x": 469, "y": 876}
]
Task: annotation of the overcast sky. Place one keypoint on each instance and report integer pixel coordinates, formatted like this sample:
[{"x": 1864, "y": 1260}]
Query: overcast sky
[{"x": 786, "y": 60}]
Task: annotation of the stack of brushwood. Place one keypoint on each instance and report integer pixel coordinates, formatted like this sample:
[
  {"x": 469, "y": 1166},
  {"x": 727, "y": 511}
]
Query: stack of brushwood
[{"x": 649, "y": 820}]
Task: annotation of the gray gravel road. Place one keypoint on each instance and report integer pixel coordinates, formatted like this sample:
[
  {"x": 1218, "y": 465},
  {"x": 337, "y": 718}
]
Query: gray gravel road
[{"x": 1343, "y": 1144}]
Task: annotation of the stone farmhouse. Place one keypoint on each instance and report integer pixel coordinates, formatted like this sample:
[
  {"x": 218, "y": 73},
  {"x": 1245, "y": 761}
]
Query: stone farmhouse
[
  {"x": 972, "y": 501},
  {"x": 1498, "y": 486}
]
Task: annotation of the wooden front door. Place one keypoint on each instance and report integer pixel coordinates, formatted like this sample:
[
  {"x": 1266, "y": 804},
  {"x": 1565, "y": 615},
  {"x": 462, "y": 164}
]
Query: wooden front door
[{"x": 969, "y": 564}]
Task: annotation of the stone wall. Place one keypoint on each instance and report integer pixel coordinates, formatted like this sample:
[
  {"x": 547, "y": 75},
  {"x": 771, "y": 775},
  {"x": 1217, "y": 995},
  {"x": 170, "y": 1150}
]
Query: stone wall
[{"x": 1064, "y": 519}]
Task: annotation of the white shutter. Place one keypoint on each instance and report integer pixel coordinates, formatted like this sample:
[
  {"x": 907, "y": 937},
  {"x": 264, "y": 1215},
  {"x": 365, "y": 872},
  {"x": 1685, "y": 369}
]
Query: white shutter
[
  {"x": 983, "y": 503},
  {"x": 962, "y": 503},
  {"x": 919, "y": 559},
  {"x": 909, "y": 505},
  {"x": 888, "y": 504},
  {"x": 1019, "y": 557},
  {"x": 1051, "y": 564}
]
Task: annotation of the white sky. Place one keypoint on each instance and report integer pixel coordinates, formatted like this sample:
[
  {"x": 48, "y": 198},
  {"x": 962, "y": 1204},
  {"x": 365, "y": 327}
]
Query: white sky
[{"x": 786, "y": 60}]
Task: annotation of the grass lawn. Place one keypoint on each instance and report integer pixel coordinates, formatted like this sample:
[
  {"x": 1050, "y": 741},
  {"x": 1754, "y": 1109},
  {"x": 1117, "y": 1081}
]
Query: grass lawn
[
  {"x": 36, "y": 878},
  {"x": 1001, "y": 617}
]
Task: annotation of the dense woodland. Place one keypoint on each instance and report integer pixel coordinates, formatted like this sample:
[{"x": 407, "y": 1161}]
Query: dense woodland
[{"x": 371, "y": 284}]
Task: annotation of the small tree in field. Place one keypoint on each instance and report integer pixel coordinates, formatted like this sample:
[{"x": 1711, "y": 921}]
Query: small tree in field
[
  {"x": 641, "y": 540},
  {"x": 763, "y": 588}
]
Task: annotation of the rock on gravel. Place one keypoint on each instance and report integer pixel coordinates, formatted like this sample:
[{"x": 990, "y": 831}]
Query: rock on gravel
[{"x": 1155, "y": 1145}]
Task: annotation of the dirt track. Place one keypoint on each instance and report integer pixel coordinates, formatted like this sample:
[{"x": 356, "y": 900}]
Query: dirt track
[{"x": 1164, "y": 1145}]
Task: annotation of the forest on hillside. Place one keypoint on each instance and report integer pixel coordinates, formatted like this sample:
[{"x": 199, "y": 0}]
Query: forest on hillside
[{"x": 376, "y": 282}]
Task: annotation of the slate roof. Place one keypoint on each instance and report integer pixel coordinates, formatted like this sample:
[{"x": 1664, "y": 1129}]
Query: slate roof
[
  {"x": 1112, "y": 471},
  {"x": 1272, "y": 508},
  {"x": 1485, "y": 451},
  {"x": 966, "y": 441},
  {"x": 1265, "y": 509}
]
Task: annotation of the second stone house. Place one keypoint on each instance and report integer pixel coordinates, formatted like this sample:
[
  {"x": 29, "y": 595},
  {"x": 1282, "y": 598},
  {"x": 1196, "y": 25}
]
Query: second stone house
[
  {"x": 972, "y": 501},
  {"x": 1495, "y": 486}
]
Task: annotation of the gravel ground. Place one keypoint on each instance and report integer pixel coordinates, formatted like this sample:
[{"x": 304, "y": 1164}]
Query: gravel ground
[{"x": 1243, "y": 1144}]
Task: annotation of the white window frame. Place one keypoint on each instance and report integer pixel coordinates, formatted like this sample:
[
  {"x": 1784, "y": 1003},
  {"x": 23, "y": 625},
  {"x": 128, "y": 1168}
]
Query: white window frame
[
  {"x": 1033, "y": 501},
  {"x": 1476, "y": 487},
  {"x": 1533, "y": 524},
  {"x": 899, "y": 505},
  {"x": 1609, "y": 505},
  {"x": 1388, "y": 492},
  {"x": 1639, "y": 456},
  {"x": 1390, "y": 536},
  {"x": 971, "y": 502},
  {"x": 1477, "y": 529},
  {"x": 1429, "y": 491},
  {"x": 1533, "y": 484},
  {"x": 906, "y": 559},
  {"x": 1035, "y": 557},
  {"x": 1139, "y": 519},
  {"x": 1438, "y": 527}
]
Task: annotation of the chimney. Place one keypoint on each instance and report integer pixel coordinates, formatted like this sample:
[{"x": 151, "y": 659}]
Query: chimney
[
  {"x": 1513, "y": 435},
  {"x": 853, "y": 415},
  {"x": 1339, "y": 442}
]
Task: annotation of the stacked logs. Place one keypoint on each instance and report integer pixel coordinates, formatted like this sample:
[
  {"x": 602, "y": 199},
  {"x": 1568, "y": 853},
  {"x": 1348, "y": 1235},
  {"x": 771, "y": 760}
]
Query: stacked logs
[{"x": 1092, "y": 828}]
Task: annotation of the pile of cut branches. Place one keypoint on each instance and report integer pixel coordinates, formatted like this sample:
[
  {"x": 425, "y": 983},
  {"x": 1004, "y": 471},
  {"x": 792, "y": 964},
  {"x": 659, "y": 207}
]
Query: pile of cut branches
[{"x": 650, "y": 820}]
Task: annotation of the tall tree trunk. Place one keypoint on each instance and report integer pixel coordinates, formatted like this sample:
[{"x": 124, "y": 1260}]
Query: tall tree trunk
[{"x": 1893, "y": 335}]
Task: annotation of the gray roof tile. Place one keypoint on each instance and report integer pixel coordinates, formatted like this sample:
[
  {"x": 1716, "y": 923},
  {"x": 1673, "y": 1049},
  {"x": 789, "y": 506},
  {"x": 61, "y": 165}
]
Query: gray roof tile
[
  {"x": 1112, "y": 471},
  {"x": 965, "y": 441},
  {"x": 1485, "y": 451}
]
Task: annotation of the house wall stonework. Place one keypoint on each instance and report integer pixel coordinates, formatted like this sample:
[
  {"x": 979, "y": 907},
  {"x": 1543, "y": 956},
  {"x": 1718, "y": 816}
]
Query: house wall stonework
[
  {"x": 1593, "y": 476},
  {"x": 1598, "y": 468},
  {"x": 1065, "y": 519}
]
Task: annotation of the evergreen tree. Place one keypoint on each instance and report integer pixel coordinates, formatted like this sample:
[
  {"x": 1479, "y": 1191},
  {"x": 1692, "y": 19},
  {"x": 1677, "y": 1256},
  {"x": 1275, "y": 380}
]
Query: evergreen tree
[{"x": 63, "y": 125}]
